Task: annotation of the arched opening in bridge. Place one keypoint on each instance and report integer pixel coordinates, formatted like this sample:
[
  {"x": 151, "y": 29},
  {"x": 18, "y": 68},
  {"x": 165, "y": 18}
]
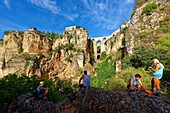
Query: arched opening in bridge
[
  {"x": 93, "y": 40},
  {"x": 98, "y": 56},
  {"x": 104, "y": 39},
  {"x": 98, "y": 46}
]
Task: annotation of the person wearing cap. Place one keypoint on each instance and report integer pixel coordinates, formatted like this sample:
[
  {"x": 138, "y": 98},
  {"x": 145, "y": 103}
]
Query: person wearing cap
[
  {"x": 133, "y": 83},
  {"x": 41, "y": 90},
  {"x": 86, "y": 80},
  {"x": 157, "y": 73}
]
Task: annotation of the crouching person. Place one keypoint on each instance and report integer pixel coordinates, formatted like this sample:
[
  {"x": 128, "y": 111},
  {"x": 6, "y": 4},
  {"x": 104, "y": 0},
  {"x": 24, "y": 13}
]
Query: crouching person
[
  {"x": 134, "y": 83},
  {"x": 41, "y": 91}
]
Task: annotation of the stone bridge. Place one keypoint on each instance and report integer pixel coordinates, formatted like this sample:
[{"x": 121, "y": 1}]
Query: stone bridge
[{"x": 99, "y": 44}]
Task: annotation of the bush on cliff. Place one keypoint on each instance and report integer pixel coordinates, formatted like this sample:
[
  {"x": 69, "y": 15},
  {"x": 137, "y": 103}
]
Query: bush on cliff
[{"x": 149, "y": 7}]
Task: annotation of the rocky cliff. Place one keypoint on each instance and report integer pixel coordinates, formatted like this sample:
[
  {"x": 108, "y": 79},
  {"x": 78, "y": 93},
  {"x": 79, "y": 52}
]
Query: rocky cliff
[
  {"x": 93, "y": 100},
  {"x": 35, "y": 53},
  {"x": 149, "y": 22}
]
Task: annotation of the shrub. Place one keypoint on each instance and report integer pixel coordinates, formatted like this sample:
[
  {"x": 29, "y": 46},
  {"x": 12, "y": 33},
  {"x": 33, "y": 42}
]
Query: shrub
[
  {"x": 6, "y": 32},
  {"x": 123, "y": 41},
  {"x": 20, "y": 50},
  {"x": 12, "y": 86},
  {"x": 149, "y": 7},
  {"x": 69, "y": 46},
  {"x": 103, "y": 55},
  {"x": 78, "y": 26},
  {"x": 53, "y": 36},
  {"x": 142, "y": 58},
  {"x": 164, "y": 42},
  {"x": 68, "y": 60},
  {"x": 78, "y": 50},
  {"x": 27, "y": 64}
]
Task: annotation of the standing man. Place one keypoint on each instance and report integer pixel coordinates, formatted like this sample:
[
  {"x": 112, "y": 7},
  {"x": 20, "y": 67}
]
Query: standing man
[{"x": 86, "y": 82}]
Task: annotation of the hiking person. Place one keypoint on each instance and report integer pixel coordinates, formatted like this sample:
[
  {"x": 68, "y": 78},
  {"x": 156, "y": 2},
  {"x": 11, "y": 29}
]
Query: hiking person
[
  {"x": 157, "y": 72},
  {"x": 133, "y": 83},
  {"x": 41, "y": 91},
  {"x": 86, "y": 82}
]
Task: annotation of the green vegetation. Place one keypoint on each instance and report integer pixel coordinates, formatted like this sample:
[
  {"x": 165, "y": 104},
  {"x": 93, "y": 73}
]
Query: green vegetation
[
  {"x": 105, "y": 71},
  {"x": 142, "y": 58},
  {"x": 12, "y": 86},
  {"x": 68, "y": 60},
  {"x": 20, "y": 50},
  {"x": 103, "y": 55},
  {"x": 123, "y": 41},
  {"x": 26, "y": 64},
  {"x": 32, "y": 58},
  {"x": 53, "y": 36},
  {"x": 6, "y": 32},
  {"x": 70, "y": 36},
  {"x": 149, "y": 8},
  {"x": 164, "y": 42},
  {"x": 78, "y": 26},
  {"x": 79, "y": 50},
  {"x": 68, "y": 46},
  {"x": 120, "y": 82}
]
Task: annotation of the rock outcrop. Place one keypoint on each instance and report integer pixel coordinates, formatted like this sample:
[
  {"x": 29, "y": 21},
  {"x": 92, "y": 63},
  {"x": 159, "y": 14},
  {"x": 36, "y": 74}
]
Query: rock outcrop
[
  {"x": 16, "y": 45},
  {"x": 35, "y": 42},
  {"x": 93, "y": 100},
  {"x": 28, "y": 51},
  {"x": 145, "y": 29}
]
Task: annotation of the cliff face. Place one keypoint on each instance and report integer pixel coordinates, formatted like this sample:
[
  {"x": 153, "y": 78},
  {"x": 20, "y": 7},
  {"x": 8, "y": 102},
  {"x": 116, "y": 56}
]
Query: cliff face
[
  {"x": 27, "y": 52},
  {"x": 147, "y": 26},
  {"x": 93, "y": 100},
  {"x": 35, "y": 42}
]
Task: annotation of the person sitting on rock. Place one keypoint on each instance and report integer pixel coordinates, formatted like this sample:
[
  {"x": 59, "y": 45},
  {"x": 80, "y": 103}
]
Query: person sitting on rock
[
  {"x": 133, "y": 83},
  {"x": 41, "y": 91},
  {"x": 86, "y": 82}
]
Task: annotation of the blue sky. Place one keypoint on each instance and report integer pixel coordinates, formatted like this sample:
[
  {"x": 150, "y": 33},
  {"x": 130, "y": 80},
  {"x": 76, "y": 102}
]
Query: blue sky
[{"x": 99, "y": 17}]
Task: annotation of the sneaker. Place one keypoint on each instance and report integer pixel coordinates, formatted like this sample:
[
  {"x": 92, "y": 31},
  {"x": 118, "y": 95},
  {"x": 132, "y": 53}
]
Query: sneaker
[{"x": 158, "y": 93}]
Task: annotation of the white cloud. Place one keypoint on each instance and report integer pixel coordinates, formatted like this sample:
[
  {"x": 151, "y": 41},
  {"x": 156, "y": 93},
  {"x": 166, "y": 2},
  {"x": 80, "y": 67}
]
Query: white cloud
[
  {"x": 6, "y": 2},
  {"x": 129, "y": 1},
  {"x": 52, "y": 6},
  {"x": 107, "y": 14},
  {"x": 46, "y": 4},
  {"x": 9, "y": 25},
  {"x": 72, "y": 17}
]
